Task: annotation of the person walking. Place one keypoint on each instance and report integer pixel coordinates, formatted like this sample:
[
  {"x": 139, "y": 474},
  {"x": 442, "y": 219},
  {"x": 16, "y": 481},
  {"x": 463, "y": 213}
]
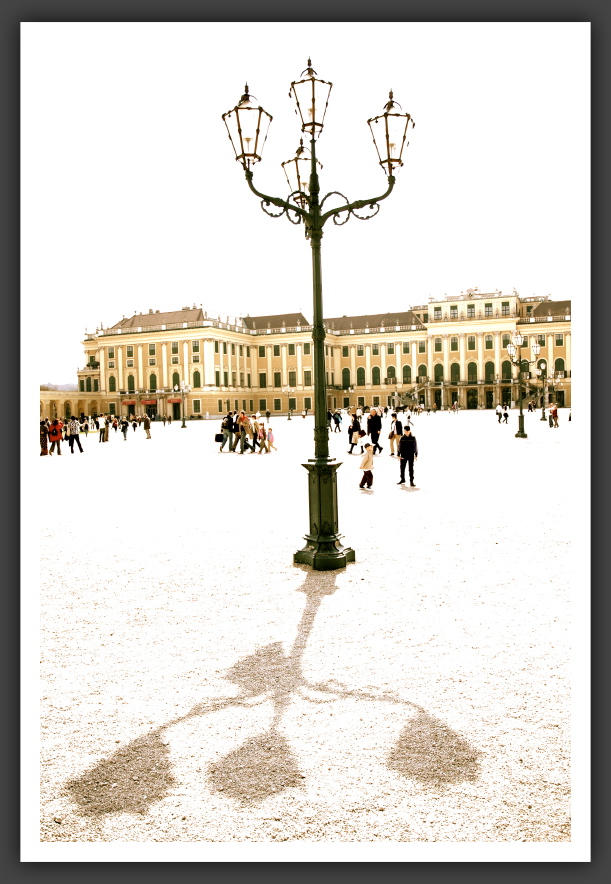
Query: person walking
[
  {"x": 408, "y": 452},
  {"x": 366, "y": 466},
  {"x": 505, "y": 414},
  {"x": 374, "y": 428},
  {"x": 163, "y": 419},
  {"x": 262, "y": 434},
  {"x": 353, "y": 433},
  {"x": 270, "y": 440},
  {"x": 44, "y": 438},
  {"x": 124, "y": 427},
  {"x": 55, "y": 436},
  {"x": 134, "y": 423},
  {"x": 227, "y": 430},
  {"x": 255, "y": 436},
  {"x": 74, "y": 435},
  {"x": 554, "y": 414},
  {"x": 337, "y": 419},
  {"x": 85, "y": 426},
  {"x": 303, "y": 414},
  {"x": 147, "y": 425},
  {"x": 236, "y": 430},
  {"x": 499, "y": 413},
  {"x": 329, "y": 418},
  {"x": 115, "y": 424},
  {"x": 268, "y": 415},
  {"x": 396, "y": 428}
]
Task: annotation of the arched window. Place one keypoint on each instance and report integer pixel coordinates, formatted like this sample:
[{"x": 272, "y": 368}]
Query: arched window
[
  {"x": 524, "y": 366},
  {"x": 197, "y": 379},
  {"x": 472, "y": 372},
  {"x": 407, "y": 374},
  {"x": 422, "y": 371},
  {"x": 88, "y": 385},
  {"x": 455, "y": 373},
  {"x": 489, "y": 372},
  {"x": 438, "y": 374},
  {"x": 81, "y": 385},
  {"x": 345, "y": 378},
  {"x": 130, "y": 383},
  {"x": 506, "y": 371},
  {"x": 95, "y": 385},
  {"x": 153, "y": 382},
  {"x": 391, "y": 372},
  {"x": 375, "y": 376},
  {"x": 175, "y": 380},
  {"x": 559, "y": 364},
  {"x": 112, "y": 384},
  {"x": 360, "y": 377}
]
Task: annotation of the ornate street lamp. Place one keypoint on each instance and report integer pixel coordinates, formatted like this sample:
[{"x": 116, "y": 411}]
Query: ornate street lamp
[
  {"x": 323, "y": 550},
  {"x": 542, "y": 372},
  {"x": 288, "y": 391},
  {"x": 184, "y": 388},
  {"x": 516, "y": 347}
]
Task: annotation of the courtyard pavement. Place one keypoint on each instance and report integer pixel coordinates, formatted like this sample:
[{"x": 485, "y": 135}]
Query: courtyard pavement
[{"x": 197, "y": 688}]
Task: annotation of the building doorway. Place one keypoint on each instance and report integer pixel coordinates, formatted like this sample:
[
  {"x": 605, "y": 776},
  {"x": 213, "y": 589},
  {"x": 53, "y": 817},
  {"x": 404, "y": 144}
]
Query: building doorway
[
  {"x": 131, "y": 410},
  {"x": 454, "y": 396},
  {"x": 506, "y": 396},
  {"x": 489, "y": 398},
  {"x": 560, "y": 398},
  {"x": 438, "y": 398},
  {"x": 471, "y": 398},
  {"x": 151, "y": 410},
  {"x": 176, "y": 411}
]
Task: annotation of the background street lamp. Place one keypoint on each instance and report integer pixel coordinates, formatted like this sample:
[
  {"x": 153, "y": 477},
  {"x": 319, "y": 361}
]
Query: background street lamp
[
  {"x": 288, "y": 391},
  {"x": 542, "y": 373},
  {"x": 184, "y": 388},
  {"x": 554, "y": 381},
  {"x": 247, "y": 125},
  {"x": 514, "y": 347}
]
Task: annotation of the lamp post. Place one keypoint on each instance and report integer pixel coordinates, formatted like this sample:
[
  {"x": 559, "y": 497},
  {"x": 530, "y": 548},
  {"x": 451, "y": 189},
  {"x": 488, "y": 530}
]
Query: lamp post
[
  {"x": 288, "y": 391},
  {"x": 515, "y": 347},
  {"x": 542, "y": 371},
  {"x": 247, "y": 125},
  {"x": 184, "y": 388}
]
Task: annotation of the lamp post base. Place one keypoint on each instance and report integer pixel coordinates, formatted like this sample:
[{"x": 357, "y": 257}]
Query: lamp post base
[
  {"x": 521, "y": 434},
  {"x": 323, "y": 550}
]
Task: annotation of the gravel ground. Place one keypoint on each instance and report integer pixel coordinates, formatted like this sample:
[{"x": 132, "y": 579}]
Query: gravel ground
[{"x": 198, "y": 687}]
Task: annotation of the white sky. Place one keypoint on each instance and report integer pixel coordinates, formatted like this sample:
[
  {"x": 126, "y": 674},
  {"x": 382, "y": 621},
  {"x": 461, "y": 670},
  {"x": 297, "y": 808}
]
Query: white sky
[{"x": 132, "y": 198}]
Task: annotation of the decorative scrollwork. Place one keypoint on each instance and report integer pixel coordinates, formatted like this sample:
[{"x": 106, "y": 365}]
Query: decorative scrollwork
[
  {"x": 336, "y": 218},
  {"x": 265, "y": 203},
  {"x": 333, "y": 193},
  {"x": 371, "y": 206}
]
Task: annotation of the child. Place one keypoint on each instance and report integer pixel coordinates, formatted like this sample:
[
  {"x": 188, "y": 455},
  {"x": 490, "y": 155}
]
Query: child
[
  {"x": 367, "y": 466},
  {"x": 262, "y": 439},
  {"x": 270, "y": 441}
]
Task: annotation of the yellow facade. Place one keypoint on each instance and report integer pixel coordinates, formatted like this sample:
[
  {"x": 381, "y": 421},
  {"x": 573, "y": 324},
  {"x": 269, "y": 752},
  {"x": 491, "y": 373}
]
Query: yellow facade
[{"x": 454, "y": 349}]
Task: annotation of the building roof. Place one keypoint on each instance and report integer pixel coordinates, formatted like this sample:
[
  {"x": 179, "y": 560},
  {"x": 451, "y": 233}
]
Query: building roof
[
  {"x": 290, "y": 320},
  {"x": 373, "y": 320},
  {"x": 143, "y": 320},
  {"x": 552, "y": 308}
]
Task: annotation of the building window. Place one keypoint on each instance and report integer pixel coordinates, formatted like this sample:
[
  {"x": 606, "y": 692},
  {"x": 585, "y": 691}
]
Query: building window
[
  {"x": 130, "y": 363},
  {"x": 470, "y": 311},
  {"x": 277, "y": 404},
  {"x": 487, "y": 309},
  {"x": 263, "y": 379},
  {"x": 472, "y": 372},
  {"x": 130, "y": 351},
  {"x": 559, "y": 340},
  {"x": 426, "y": 317},
  {"x": 276, "y": 349},
  {"x": 111, "y": 352},
  {"x": 360, "y": 349},
  {"x": 291, "y": 349},
  {"x": 405, "y": 347},
  {"x": 455, "y": 373},
  {"x": 375, "y": 349},
  {"x": 505, "y": 308},
  {"x": 525, "y": 343},
  {"x": 248, "y": 357},
  {"x": 112, "y": 408},
  {"x": 225, "y": 378},
  {"x": 307, "y": 379},
  {"x": 130, "y": 383},
  {"x": 407, "y": 374},
  {"x": 195, "y": 358},
  {"x": 112, "y": 385},
  {"x": 197, "y": 379},
  {"x": 306, "y": 349},
  {"x": 559, "y": 364},
  {"x": 345, "y": 378},
  {"x": 506, "y": 341},
  {"x": 217, "y": 379},
  {"x": 277, "y": 379},
  {"x": 422, "y": 371},
  {"x": 248, "y": 384},
  {"x": 454, "y": 312},
  {"x": 391, "y": 373},
  {"x": 376, "y": 400},
  {"x": 152, "y": 362},
  {"x": 390, "y": 349},
  {"x": 175, "y": 379},
  {"x": 197, "y": 406},
  {"x": 453, "y": 343},
  {"x": 233, "y": 378},
  {"x": 174, "y": 346},
  {"x": 261, "y": 352},
  {"x": 89, "y": 385},
  {"x": 153, "y": 382},
  {"x": 151, "y": 349},
  {"x": 360, "y": 377},
  {"x": 437, "y": 345},
  {"x": 293, "y": 404},
  {"x": 233, "y": 349},
  {"x": 81, "y": 385},
  {"x": 489, "y": 372},
  {"x": 471, "y": 342},
  {"x": 488, "y": 345},
  {"x": 421, "y": 346},
  {"x": 195, "y": 349},
  {"x": 219, "y": 404},
  {"x": 529, "y": 310},
  {"x": 95, "y": 385},
  {"x": 307, "y": 403},
  {"x": 375, "y": 376},
  {"x": 437, "y": 313},
  {"x": 111, "y": 364},
  {"x": 540, "y": 340},
  {"x": 344, "y": 351},
  {"x": 175, "y": 360},
  {"x": 292, "y": 378},
  {"x": 438, "y": 374},
  {"x": 216, "y": 349}
]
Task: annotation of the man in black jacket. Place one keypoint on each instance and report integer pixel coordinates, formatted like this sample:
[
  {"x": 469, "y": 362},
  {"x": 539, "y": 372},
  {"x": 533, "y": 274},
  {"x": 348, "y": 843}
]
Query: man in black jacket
[
  {"x": 374, "y": 428},
  {"x": 408, "y": 452}
]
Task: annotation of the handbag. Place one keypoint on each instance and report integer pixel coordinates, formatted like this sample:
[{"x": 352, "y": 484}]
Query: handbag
[{"x": 218, "y": 437}]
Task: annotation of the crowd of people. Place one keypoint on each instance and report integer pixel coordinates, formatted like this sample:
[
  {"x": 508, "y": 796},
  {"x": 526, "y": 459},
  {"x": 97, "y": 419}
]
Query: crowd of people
[
  {"x": 238, "y": 428},
  {"x": 69, "y": 430}
]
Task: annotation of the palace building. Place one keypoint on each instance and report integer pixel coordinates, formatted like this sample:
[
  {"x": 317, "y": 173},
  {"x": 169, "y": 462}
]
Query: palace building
[{"x": 445, "y": 351}]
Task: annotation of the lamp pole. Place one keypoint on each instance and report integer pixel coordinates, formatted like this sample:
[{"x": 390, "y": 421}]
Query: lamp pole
[
  {"x": 515, "y": 347},
  {"x": 247, "y": 125},
  {"x": 288, "y": 391},
  {"x": 543, "y": 373},
  {"x": 184, "y": 388}
]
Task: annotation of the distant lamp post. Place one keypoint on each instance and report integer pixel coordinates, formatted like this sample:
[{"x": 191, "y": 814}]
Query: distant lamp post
[
  {"x": 184, "y": 389},
  {"x": 247, "y": 126},
  {"x": 514, "y": 349},
  {"x": 288, "y": 391},
  {"x": 542, "y": 373}
]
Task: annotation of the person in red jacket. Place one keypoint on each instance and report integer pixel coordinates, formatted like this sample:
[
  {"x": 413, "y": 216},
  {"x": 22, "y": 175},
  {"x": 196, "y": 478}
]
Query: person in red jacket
[{"x": 55, "y": 436}]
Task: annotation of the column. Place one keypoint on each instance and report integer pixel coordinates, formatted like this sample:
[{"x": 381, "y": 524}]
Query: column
[
  {"x": 270, "y": 369},
  {"x": 283, "y": 366},
  {"x": 185, "y": 364},
  {"x": 208, "y": 368},
  {"x": 383, "y": 367},
  {"x": 480, "y": 368},
  {"x": 102, "y": 361},
  {"x": 398, "y": 369},
  {"x": 120, "y": 368},
  {"x": 337, "y": 364},
  {"x": 298, "y": 351},
  {"x": 413, "y": 352},
  {"x": 550, "y": 352},
  {"x": 164, "y": 365},
  {"x": 368, "y": 365},
  {"x": 140, "y": 382},
  {"x": 352, "y": 352}
]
